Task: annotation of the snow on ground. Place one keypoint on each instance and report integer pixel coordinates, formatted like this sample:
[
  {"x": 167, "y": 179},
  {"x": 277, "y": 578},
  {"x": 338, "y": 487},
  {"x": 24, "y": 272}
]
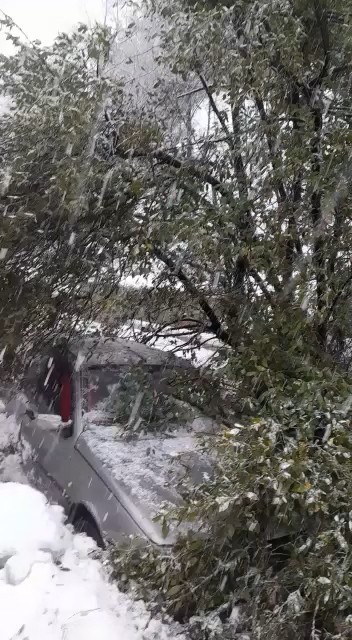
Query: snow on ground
[
  {"x": 50, "y": 587},
  {"x": 53, "y": 585},
  {"x": 8, "y": 430},
  {"x": 10, "y": 460}
]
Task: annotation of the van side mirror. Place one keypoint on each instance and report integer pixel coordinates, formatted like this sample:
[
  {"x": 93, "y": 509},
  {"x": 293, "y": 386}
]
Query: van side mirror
[
  {"x": 30, "y": 414},
  {"x": 66, "y": 430}
]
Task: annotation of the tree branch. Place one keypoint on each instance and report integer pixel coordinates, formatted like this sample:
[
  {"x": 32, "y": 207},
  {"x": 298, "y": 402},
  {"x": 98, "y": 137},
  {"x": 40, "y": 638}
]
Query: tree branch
[
  {"x": 239, "y": 164},
  {"x": 293, "y": 241},
  {"x": 238, "y": 161},
  {"x": 282, "y": 196},
  {"x": 163, "y": 157},
  {"x": 215, "y": 324},
  {"x": 321, "y": 18},
  {"x": 316, "y": 215},
  {"x": 214, "y": 107},
  {"x": 335, "y": 300},
  {"x": 256, "y": 277}
]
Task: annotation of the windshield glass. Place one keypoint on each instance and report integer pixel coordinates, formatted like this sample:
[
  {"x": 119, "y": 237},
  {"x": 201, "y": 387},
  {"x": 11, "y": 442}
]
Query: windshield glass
[{"x": 140, "y": 398}]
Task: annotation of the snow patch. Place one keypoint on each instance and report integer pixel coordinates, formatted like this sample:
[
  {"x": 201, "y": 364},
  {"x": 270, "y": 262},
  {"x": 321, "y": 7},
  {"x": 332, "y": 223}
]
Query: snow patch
[
  {"x": 10, "y": 460},
  {"x": 28, "y": 524},
  {"x": 79, "y": 360},
  {"x": 11, "y": 469},
  {"x": 51, "y": 589},
  {"x": 144, "y": 466}
]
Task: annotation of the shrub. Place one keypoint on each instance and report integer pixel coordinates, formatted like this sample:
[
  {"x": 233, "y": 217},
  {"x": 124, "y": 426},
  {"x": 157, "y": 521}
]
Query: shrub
[{"x": 271, "y": 528}]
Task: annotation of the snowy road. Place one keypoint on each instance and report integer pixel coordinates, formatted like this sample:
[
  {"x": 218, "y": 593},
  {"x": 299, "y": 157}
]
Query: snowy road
[{"x": 51, "y": 585}]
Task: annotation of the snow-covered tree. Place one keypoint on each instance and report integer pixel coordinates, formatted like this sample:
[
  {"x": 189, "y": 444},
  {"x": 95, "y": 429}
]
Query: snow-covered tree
[{"x": 223, "y": 178}]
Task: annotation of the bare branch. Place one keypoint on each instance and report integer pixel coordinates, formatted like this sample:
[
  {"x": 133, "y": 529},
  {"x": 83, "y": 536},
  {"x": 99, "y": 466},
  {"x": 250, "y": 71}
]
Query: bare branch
[
  {"x": 322, "y": 21},
  {"x": 336, "y": 300},
  {"x": 257, "y": 278},
  {"x": 197, "y": 171},
  {"x": 217, "y": 112},
  {"x": 215, "y": 324}
]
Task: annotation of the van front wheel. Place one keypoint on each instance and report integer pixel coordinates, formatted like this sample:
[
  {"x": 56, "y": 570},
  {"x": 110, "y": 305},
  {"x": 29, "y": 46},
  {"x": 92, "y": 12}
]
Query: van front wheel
[{"x": 84, "y": 523}]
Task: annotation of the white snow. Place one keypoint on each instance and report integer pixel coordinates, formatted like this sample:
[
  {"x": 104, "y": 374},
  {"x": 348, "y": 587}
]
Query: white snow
[
  {"x": 200, "y": 355},
  {"x": 79, "y": 361},
  {"x": 8, "y": 430},
  {"x": 51, "y": 586},
  {"x": 11, "y": 468},
  {"x": 25, "y": 509},
  {"x": 10, "y": 463},
  {"x": 145, "y": 466},
  {"x": 134, "y": 330}
]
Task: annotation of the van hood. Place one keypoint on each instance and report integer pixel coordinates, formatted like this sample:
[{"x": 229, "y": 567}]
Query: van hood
[{"x": 144, "y": 472}]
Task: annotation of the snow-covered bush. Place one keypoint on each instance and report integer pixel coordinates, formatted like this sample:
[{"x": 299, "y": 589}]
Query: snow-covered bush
[{"x": 272, "y": 529}]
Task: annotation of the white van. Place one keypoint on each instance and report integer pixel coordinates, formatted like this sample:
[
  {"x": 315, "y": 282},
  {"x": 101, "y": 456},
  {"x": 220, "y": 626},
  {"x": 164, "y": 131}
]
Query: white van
[{"x": 80, "y": 410}]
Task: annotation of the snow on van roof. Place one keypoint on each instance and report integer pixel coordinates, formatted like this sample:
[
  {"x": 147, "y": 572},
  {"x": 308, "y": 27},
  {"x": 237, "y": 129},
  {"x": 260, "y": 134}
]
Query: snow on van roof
[{"x": 98, "y": 352}]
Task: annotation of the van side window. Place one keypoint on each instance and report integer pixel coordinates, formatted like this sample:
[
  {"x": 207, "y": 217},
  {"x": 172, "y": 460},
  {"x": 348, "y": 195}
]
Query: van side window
[
  {"x": 138, "y": 398},
  {"x": 30, "y": 379},
  {"x": 55, "y": 388},
  {"x": 48, "y": 391}
]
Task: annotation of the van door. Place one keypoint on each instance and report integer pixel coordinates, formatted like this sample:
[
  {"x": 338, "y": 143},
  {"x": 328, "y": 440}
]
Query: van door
[
  {"x": 46, "y": 408},
  {"x": 59, "y": 461},
  {"x": 33, "y": 413}
]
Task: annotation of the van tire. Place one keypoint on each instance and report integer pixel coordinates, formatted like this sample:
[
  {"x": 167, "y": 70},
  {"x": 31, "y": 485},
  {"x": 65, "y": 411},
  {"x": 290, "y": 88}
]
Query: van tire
[{"x": 83, "y": 522}]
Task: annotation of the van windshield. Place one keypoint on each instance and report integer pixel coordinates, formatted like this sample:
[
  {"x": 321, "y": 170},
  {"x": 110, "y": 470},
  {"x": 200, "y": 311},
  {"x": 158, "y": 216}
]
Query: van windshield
[{"x": 141, "y": 398}]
